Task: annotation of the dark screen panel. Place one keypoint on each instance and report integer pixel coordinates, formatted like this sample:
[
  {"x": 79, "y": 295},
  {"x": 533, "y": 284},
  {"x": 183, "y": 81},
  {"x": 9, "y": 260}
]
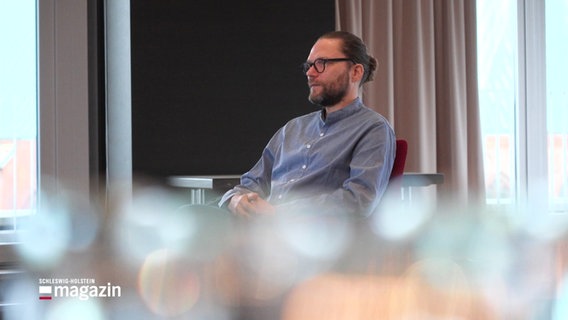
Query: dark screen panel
[{"x": 213, "y": 80}]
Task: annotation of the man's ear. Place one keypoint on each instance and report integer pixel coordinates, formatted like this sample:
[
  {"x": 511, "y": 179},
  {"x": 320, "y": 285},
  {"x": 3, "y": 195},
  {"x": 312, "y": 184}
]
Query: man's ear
[{"x": 357, "y": 72}]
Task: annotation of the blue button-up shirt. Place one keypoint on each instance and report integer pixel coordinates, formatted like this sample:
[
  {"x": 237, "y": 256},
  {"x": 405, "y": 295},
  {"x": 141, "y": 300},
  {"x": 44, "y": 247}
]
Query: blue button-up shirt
[{"x": 339, "y": 161}]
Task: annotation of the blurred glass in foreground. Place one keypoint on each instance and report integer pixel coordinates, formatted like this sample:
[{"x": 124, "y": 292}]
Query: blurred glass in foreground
[{"x": 178, "y": 261}]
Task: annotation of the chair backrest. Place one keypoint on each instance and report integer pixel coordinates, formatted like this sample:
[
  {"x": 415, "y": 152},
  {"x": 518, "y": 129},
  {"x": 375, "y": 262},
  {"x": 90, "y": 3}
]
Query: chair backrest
[{"x": 399, "y": 158}]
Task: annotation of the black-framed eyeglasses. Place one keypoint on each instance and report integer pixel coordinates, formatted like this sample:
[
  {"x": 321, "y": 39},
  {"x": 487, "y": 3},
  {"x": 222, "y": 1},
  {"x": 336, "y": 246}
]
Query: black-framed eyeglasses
[{"x": 319, "y": 64}]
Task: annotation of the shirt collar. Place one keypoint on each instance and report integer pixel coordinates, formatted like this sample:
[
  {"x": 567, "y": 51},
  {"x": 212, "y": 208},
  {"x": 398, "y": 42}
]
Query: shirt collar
[{"x": 342, "y": 113}]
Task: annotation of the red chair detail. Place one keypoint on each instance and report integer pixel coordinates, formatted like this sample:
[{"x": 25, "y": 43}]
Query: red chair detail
[{"x": 399, "y": 158}]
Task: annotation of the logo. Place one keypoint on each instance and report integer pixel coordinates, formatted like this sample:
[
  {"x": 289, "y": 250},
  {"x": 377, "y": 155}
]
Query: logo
[
  {"x": 82, "y": 289},
  {"x": 45, "y": 292}
]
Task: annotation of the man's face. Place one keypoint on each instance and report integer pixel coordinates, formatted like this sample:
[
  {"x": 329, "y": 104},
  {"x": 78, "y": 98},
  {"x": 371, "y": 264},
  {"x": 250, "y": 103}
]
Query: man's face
[{"x": 329, "y": 87}]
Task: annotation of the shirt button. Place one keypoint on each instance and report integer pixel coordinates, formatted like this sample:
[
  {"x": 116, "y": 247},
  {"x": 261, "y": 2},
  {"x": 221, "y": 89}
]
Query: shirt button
[
  {"x": 308, "y": 146},
  {"x": 321, "y": 134},
  {"x": 292, "y": 180},
  {"x": 280, "y": 196},
  {"x": 304, "y": 167}
]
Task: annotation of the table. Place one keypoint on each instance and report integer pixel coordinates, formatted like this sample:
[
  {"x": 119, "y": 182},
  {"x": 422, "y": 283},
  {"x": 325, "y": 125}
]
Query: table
[
  {"x": 205, "y": 188},
  {"x": 415, "y": 179}
]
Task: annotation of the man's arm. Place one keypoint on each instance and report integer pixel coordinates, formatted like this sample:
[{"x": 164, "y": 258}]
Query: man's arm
[{"x": 254, "y": 185}]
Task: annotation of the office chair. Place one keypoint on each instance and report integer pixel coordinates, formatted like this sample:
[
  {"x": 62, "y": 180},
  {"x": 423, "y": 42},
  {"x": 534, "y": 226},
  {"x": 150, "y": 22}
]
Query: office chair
[
  {"x": 395, "y": 186},
  {"x": 411, "y": 179},
  {"x": 399, "y": 159}
]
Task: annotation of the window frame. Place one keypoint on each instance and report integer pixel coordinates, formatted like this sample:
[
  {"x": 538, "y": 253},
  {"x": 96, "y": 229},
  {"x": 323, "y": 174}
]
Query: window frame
[
  {"x": 63, "y": 146},
  {"x": 532, "y": 161}
]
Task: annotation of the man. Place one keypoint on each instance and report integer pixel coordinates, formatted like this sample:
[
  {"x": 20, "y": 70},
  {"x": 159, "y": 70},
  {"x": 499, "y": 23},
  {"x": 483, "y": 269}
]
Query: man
[{"x": 339, "y": 158}]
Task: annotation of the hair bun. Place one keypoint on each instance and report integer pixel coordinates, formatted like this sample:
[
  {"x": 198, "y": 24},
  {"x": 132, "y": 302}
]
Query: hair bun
[{"x": 372, "y": 67}]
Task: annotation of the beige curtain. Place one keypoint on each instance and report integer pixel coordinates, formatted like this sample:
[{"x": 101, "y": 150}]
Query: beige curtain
[{"x": 426, "y": 83}]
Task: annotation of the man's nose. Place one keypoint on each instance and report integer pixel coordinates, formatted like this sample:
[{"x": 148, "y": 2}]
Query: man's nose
[{"x": 311, "y": 72}]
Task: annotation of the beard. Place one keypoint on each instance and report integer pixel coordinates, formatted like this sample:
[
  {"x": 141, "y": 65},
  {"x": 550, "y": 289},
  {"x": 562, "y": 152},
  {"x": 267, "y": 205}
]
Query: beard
[{"x": 331, "y": 93}]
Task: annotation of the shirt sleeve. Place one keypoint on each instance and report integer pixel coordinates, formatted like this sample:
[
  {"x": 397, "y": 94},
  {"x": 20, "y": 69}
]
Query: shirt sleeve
[
  {"x": 370, "y": 170},
  {"x": 258, "y": 179}
]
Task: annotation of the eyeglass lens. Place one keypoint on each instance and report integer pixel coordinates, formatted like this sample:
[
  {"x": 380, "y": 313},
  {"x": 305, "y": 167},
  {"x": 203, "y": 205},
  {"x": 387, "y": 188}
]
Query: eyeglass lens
[{"x": 318, "y": 64}]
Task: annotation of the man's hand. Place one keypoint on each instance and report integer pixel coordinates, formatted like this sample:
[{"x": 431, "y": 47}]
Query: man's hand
[{"x": 249, "y": 204}]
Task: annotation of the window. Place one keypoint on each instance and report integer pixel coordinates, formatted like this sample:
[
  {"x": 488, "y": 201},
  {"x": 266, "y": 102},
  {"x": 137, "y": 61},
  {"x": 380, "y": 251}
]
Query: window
[
  {"x": 557, "y": 102},
  {"x": 523, "y": 101},
  {"x": 18, "y": 113}
]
